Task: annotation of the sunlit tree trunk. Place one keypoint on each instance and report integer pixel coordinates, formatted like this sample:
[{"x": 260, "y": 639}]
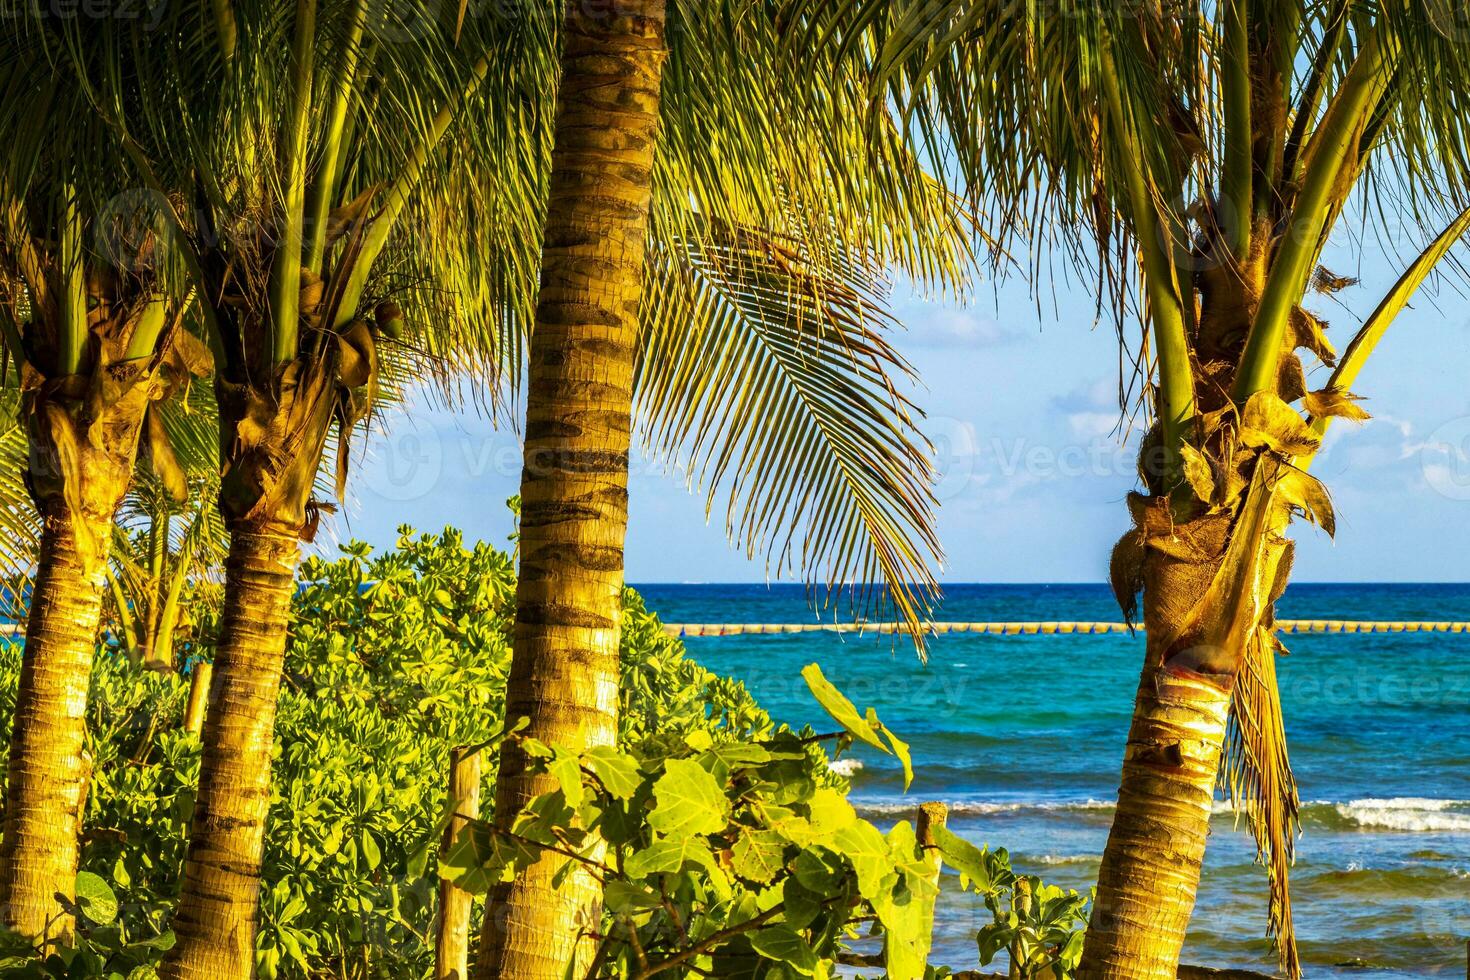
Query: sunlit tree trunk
[
  {"x": 272, "y": 436},
  {"x": 79, "y": 469},
  {"x": 1150, "y": 869},
  {"x": 574, "y": 484},
  {"x": 38, "y": 855},
  {"x": 217, "y": 911}
]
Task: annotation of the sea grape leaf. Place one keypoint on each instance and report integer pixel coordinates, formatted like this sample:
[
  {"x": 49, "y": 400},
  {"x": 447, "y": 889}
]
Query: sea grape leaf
[
  {"x": 667, "y": 856},
  {"x": 784, "y": 944},
  {"x": 740, "y": 755},
  {"x": 865, "y": 847},
  {"x": 802, "y": 904},
  {"x": 817, "y": 870},
  {"x": 970, "y": 861},
  {"x": 617, "y": 771},
  {"x": 688, "y": 801},
  {"x": 828, "y": 812},
  {"x": 839, "y": 707},
  {"x": 757, "y": 854},
  {"x": 628, "y": 896},
  {"x": 567, "y": 769},
  {"x": 482, "y": 857},
  {"x": 901, "y": 750},
  {"x": 96, "y": 898}
]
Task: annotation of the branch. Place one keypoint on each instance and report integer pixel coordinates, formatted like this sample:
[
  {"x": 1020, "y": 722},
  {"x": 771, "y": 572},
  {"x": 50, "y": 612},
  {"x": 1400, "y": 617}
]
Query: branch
[
  {"x": 715, "y": 939},
  {"x": 597, "y": 869},
  {"x": 712, "y": 941}
]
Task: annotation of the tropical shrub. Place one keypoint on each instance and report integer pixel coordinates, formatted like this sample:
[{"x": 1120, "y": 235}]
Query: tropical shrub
[
  {"x": 1041, "y": 927},
  {"x": 732, "y": 847},
  {"x": 394, "y": 659},
  {"x": 726, "y": 856}
]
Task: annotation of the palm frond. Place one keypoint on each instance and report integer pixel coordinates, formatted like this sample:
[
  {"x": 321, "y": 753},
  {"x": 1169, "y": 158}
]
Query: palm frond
[
  {"x": 816, "y": 168},
  {"x": 1256, "y": 777},
  {"x": 778, "y": 390},
  {"x": 20, "y": 524}
]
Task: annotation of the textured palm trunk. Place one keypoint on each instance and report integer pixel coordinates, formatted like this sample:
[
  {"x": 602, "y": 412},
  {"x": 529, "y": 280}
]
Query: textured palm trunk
[
  {"x": 216, "y": 917},
  {"x": 564, "y": 671},
  {"x": 80, "y": 462},
  {"x": 1151, "y": 866},
  {"x": 47, "y": 773}
]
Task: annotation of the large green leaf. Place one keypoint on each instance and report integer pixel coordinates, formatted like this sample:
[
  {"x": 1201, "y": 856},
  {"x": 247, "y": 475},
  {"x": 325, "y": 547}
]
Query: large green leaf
[
  {"x": 688, "y": 801},
  {"x": 839, "y": 707},
  {"x": 785, "y": 945}
]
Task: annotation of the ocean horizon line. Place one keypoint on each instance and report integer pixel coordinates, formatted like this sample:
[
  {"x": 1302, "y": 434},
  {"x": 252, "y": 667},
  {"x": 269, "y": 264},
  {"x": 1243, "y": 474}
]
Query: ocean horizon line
[{"x": 1358, "y": 583}]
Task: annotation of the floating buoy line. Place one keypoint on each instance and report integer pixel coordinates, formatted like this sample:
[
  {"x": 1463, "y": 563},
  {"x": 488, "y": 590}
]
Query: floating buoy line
[{"x": 1046, "y": 628}]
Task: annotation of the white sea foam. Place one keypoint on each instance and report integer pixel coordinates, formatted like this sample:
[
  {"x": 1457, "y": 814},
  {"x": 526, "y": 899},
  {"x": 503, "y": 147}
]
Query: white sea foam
[
  {"x": 1054, "y": 859},
  {"x": 845, "y": 767},
  {"x": 983, "y": 808},
  {"x": 1408, "y": 813}
]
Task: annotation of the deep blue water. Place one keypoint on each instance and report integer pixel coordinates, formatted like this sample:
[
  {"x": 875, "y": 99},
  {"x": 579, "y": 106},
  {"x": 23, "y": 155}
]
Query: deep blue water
[{"x": 1023, "y": 737}]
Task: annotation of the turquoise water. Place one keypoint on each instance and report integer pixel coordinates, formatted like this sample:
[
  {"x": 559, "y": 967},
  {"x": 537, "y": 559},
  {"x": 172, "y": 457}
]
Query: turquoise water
[{"x": 1023, "y": 737}]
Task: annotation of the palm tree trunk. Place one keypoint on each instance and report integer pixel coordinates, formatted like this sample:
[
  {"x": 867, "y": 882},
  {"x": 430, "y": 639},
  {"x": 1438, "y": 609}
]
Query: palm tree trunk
[
  {"x": 1151, "y": 866},
  {"x": 44, "y": 794},
  {"x": 574, "y": 497},
  {"x": 216, "y": 917}
]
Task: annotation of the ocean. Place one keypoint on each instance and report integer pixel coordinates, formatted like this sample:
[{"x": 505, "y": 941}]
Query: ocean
[{"x": 1023, "y": 737}]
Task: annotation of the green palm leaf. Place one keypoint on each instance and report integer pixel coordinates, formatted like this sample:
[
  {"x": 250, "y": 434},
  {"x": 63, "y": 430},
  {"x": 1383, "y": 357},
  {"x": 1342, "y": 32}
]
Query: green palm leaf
[{"x": 776, "y": 388}]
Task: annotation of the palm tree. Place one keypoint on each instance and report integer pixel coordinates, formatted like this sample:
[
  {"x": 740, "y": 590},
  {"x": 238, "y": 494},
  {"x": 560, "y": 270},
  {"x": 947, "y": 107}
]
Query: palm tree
[
  {"x": 297, "y": 139},
  {"x": 91, "y": 326},
  {"x": 1206, "y": 152},
  {"x": 803, "y": 396},
  {"x": 352, "y": 167},
  {"x": 166, "y": 542}
]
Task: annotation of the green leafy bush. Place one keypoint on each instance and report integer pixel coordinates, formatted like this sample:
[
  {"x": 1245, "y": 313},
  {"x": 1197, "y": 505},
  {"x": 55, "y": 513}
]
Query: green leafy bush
[
  {"x": 1040, "y": 926},
  {"x": 732, "y": 847},
  {"x": 394, "y": 659},
  {"x": 726, "y": 856}
]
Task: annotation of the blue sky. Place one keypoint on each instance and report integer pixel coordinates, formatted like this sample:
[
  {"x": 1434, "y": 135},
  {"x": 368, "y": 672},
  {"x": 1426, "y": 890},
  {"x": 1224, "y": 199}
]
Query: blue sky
[{"x": 1022, "y": 407}]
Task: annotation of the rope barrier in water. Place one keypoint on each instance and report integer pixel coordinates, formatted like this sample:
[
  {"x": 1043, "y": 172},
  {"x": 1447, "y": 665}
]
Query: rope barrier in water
[{"x": 1047, "y": 628}]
